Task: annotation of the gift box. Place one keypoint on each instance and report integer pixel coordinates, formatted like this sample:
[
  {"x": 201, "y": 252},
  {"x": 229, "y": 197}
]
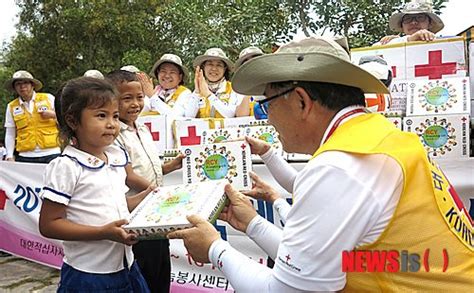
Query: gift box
[
  {"x": 440, "y": 96},
  {"x": 230, "y": 160},
  {"x": 443, "y": 136},
  {"x": 165, "y": 209}
]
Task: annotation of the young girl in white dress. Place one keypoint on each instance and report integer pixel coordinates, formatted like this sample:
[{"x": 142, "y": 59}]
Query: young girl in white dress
[{"x": 84, "y": 200}]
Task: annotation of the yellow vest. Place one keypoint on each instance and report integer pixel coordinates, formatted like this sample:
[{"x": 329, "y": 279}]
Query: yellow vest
[
  {"x": 205, "y": 110},
  {"x": 170, "y": 102},
  {"x": 31, "y": 129},
  {"x": 427, "y": 221}
]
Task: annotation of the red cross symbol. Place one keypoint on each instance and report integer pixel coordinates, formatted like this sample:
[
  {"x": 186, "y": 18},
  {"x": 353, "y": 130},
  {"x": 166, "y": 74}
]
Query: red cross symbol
[
  {"x": 435, "y": 67},
  {"x": 463, "y": 119},
  {"x": 155, "y": 135},
  {"x": 395, "y": 122},
  {"x": 192, "y": 138},
  {"x": 3, "y": 199},
  {"x": 288, "y": 258},
  {"x": 243, "y": 146}
]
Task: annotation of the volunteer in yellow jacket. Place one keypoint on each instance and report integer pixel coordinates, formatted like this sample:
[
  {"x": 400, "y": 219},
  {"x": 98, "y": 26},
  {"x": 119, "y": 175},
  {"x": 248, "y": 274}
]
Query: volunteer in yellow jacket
[
  {"x": 212, "y": 86},
  {"x": 370, "y": 211},
  {"x": 30, "y": 121},
  {"x": 170, "y": 97}
]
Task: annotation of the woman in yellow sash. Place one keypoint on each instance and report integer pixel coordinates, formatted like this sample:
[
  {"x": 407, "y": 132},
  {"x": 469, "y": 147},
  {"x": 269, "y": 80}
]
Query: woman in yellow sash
[{"x": 212, "y": 88}]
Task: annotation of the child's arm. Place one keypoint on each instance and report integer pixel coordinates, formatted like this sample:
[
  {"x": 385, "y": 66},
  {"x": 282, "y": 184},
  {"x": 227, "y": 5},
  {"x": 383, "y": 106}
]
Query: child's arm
[
  {"x": 135, "y": 181},
  {"x": 134, "y": 200},
  {"x": 53, "y": 224},
  {"x": 175, "y": 164}
]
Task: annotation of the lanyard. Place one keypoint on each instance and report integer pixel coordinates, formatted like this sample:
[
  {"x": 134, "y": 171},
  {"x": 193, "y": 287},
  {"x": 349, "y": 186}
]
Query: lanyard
[{"x": 339, "y": 120}]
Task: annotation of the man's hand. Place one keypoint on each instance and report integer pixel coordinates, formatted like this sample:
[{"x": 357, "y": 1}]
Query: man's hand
[
  {"x": 239, "y": 212},
  {"x": 257, "y": 146},
  {"x": 197, "y": 239},
  {"x": 421, "y": 35},
  {"x": 261, "y": 190}
]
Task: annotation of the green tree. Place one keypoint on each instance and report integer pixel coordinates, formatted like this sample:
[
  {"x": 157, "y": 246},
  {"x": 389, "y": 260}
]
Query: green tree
[
  {"x": 363, "y": 22},
  {"x": 60, "y": 39}
]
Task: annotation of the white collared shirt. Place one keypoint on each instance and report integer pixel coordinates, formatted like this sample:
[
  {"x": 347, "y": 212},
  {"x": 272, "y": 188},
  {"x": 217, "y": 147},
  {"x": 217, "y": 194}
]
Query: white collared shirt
[
  {"x": 342, "y": 201},
  {"x": 94, "y": 193},
  {"x": 142, "y": 151}
]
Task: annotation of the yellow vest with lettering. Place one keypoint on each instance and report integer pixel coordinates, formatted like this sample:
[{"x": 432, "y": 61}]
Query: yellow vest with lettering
[
  {"x": 170, "y": 102},
  {"x": 205, "y": 110},
  {"x": 31, "y": 129},
  {"x": 428, "y": 220}
]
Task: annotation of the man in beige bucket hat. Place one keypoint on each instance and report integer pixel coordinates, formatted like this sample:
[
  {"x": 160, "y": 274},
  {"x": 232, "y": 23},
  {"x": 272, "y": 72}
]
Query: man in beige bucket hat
[
  {"x": 416, "y": 20},
  {"x": 368, "y": 189},
  {"x": 30, "y": 121}
]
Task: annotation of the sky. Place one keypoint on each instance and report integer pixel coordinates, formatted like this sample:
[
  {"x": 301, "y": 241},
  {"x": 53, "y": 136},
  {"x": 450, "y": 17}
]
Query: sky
[{"x": 457, "y": 16}]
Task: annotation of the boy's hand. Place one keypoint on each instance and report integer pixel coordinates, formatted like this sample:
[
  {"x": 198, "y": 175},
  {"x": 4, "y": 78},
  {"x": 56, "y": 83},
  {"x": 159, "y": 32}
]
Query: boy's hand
[
  {"x": 177, "y": 162},
  {"x": 114, "y": 232}
]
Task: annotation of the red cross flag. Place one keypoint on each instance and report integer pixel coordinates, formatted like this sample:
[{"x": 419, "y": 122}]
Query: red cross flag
[{"x": 157, "y": 125}]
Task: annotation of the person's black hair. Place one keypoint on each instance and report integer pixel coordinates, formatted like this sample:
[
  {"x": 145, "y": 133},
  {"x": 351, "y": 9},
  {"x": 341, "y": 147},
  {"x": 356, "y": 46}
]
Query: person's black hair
[
  {"x": 117, "y": 77},
  {"x": 330, "y": 95},
  {"x": 75, "y": 96}
]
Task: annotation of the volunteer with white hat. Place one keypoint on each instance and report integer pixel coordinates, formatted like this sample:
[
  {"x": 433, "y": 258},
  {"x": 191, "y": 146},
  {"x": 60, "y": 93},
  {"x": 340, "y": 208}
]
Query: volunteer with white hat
[
  {"x": 171, "y": 97},
  {"x": 212, "y": 85},
  {"x": 30, "y": 121},
  {"x": 368, "y": 189},
  {"x": 417, "y": 21}
]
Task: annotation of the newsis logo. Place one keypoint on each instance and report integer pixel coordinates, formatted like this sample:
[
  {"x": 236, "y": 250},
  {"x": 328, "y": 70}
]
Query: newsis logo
[{"x": 392, "y": 261}]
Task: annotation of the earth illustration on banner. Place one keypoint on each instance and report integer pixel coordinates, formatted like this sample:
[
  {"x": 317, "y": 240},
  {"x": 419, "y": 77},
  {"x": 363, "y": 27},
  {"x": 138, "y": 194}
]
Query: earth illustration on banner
[{"x": 216, "y": 167}]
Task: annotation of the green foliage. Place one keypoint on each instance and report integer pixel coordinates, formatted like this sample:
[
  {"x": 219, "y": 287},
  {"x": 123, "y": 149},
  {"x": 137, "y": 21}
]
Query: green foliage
[{"x": 5, "y": 97}]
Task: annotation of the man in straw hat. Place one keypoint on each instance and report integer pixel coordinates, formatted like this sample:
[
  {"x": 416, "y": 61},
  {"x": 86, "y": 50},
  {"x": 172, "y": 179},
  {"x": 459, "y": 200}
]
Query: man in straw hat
[
  {"x": 30, "y": 121},
  {"x": 416, "y": 20},
  {"x": 368, "y": 192}
]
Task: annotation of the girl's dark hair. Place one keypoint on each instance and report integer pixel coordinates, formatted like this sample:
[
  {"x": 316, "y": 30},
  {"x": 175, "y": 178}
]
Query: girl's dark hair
[{"x": 76, "y": 95}]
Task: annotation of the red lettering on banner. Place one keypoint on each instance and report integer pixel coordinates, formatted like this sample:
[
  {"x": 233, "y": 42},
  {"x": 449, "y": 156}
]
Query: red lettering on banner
[
  {"x": 3, "y": 199},
  {"x": 435, "y": 67},
  {"x": 394, "y": 71},
  {"x": 192, "y": 138},
  {"x": 155, "y": 135}
]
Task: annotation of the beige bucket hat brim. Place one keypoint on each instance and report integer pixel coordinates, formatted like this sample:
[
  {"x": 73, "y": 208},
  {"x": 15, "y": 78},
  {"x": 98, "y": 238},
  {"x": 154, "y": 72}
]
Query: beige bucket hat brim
[
  {"x": 253, "y": 76},
  {"x": 199, "y": 60},
  {"x": 22, "y": 75}
]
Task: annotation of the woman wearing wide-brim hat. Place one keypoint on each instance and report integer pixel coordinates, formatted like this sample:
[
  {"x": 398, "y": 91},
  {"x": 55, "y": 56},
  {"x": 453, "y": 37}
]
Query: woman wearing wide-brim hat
[
  {"x": 212, "y": 86},
  {"x": 416, "y": 21},
  {"x": 30, "y": 121},
  {"x": 170, "y": 97}
]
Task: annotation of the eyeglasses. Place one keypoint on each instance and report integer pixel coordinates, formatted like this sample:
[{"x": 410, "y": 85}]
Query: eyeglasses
[
  {"x": 418, "y": 17},
  {"x": 264, "y": 103}
]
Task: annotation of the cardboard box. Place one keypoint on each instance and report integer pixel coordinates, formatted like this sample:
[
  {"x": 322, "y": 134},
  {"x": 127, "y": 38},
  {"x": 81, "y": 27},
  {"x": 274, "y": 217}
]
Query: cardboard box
[
  {"x": 230, "y": 160},
  {"x": 443, "y": 136}
]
